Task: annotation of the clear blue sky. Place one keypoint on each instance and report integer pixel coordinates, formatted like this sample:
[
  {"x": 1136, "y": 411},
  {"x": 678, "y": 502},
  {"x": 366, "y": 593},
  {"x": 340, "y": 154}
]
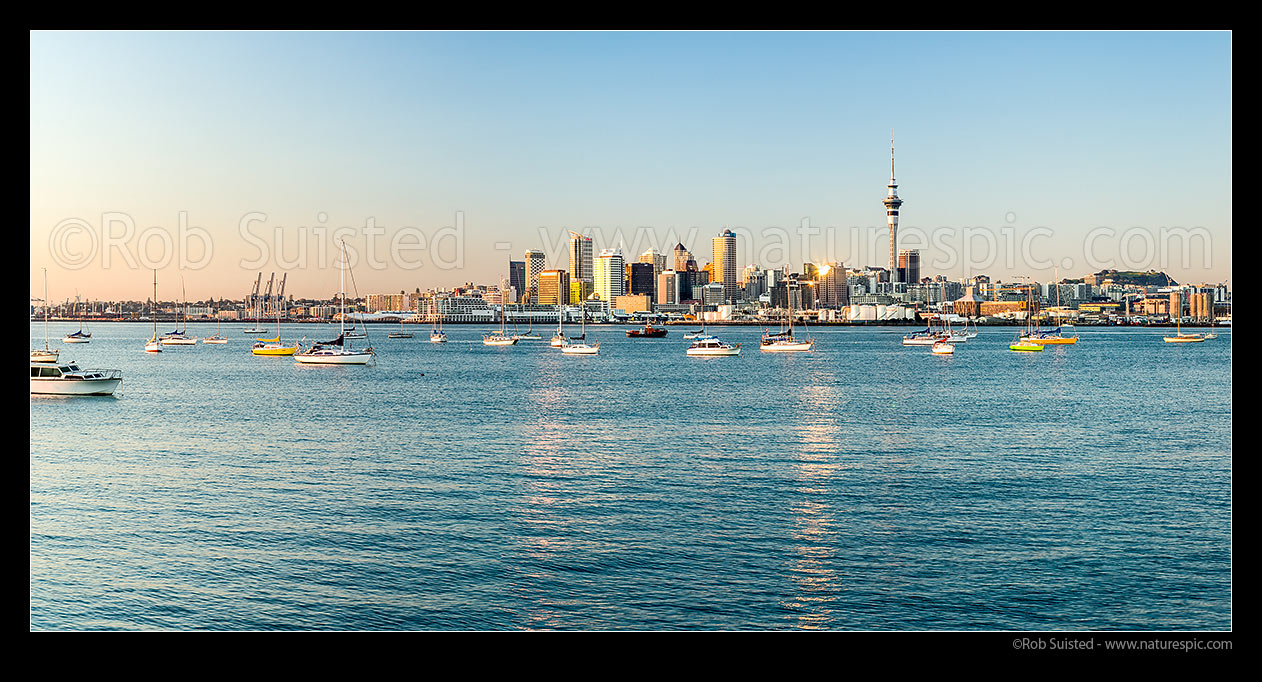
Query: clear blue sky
[{"x": 684, "y": 133}]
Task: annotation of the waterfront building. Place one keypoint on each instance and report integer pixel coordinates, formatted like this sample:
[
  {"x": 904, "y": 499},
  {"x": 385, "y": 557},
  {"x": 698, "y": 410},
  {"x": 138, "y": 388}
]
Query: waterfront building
[
  {"x": 554, "y": 287},
  {"x": 378, "y": 302},
  {"x": 580, "y": 290},
  {"x": 633, "y": 303}
]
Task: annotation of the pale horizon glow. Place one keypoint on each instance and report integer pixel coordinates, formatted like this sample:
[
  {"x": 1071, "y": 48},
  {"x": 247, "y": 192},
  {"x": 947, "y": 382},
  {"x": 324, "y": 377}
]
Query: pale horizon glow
[{"x": 643, "y": 139}]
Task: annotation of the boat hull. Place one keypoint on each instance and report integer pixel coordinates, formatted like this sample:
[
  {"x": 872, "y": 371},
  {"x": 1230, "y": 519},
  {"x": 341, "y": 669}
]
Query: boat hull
[
  {"x": 787, "y": 347},
  {"x": 713, "y": 352},
  {"x": 1025, "y": 347},
  {"x": 581, "y": 350},
  {"x": 74, "y": 339},
  {"x": 44, "y": 356},
  {"x": 274, "y": 350},
  {"x": 339, "y": 359},
  {"x": 1182, "y": 339},
  {"x": 71, "y": 387},
  {"x": 1053, "y": 341}
]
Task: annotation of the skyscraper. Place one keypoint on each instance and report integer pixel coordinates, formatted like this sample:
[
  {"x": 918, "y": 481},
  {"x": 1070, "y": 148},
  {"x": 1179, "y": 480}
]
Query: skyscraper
[
  {"x": 686, "y": 268},
  {"x": 641, "y": 279},
  {"x": 534, "y": 266},
  {"x": 892, "y": 202},
  {"x": 830, "y": 286},
  {"x": 517, "y": 277},
  {"x": 724, "y": 262},
  {"x": 580, "y": 257},
  {"x": 554, "y": 287},
  {"x": 909, "y": 266},
  {"x": 608, "y": 274}
]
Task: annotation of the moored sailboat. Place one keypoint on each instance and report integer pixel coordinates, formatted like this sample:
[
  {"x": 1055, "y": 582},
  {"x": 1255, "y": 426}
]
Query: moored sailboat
[{"x": 336, "y": 352}]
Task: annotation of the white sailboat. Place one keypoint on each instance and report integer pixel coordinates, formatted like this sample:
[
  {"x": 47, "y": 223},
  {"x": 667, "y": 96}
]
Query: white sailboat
[
  {"x": 1179, "y": 336},
  {"x": 559, "y": 339},
  {"x": 500, "y": 338},
  {"x": 784, "y": 341},
  {"x": 584, "y": 348},
  {"x": 218, "y": 337},
  {"x": 47, "y": 354},
  {"x": 336, "y": 352},
  {"x": 154, "y": 344},
  {"x": 180, "y": 337},
  {"x": 79, "y": 336},
  {"x": 436, "y": 335}
]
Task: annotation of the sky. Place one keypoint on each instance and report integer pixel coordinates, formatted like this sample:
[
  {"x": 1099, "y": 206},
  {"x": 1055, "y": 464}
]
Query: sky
[{"x": 438, "y": 156}]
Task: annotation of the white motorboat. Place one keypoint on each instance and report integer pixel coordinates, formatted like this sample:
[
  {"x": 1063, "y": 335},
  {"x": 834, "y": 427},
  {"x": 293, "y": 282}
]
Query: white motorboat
[
  {"x": 580, "y": 349},
  {"x": 51, "y": 378},
  {"x": 711, "y": 346},
  {"x": 943, "y": 347}
]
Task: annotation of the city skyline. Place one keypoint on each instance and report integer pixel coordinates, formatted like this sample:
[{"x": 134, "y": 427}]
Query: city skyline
[{"x": 674, "y": 136}]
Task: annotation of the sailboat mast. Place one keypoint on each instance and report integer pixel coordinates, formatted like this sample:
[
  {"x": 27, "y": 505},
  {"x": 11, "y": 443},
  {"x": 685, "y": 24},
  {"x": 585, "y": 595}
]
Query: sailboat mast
[
  {"x": 342, "y": 293},
  {"x": 45, "y": 308}
]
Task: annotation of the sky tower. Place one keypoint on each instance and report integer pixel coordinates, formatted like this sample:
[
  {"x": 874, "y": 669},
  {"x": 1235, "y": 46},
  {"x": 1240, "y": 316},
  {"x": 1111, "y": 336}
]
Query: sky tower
[{"x": 892, "y": 202}]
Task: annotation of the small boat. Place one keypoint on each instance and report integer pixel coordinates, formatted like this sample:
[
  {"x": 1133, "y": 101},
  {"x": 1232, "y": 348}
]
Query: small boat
[
  {"x": 943, "y": 348},
  {"x": 51, "y": 378},
  {"x": 154, "y": 344},
  {"x": 710, "y": 346},
  {"x": 436, "y": 335},
  {"x": 47, "y": 354},
  {"x": 648, "y": 332},
  {"x": 218, "y": 337},
  {"x": 336, "y": 352},
  {"x": 925, "y": 338},
  {"x": 1211, "y": 335},
  {"x": 79, "y": 336},
  {"x": 783, "y": 341},
  {"x": 1179, "y": 336},
  {"x": 530, "y": 334},
  {"x": 1024, "y": 346},
  {"x": 500, "y": 338},
  {"x": 570, "y": 348},
  {"x": 558, "y": 339},
  {"x": 580, "y": 349},
  {"x": 273, "y": 347},
  {"x": 399, "y": 335}
]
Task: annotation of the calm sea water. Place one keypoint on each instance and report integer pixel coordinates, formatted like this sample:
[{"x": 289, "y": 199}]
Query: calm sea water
[{"x": 863, "y": 486}]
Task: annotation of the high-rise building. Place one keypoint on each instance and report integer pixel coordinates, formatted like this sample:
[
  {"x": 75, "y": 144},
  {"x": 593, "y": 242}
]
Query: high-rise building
[
  {"x": 640, "y": 279},
  {"x": 892, "y": 202},
  {"x": 608, "y": 275},
  {"x": 831, "y": 286},
  {"x": 909, "y": 266},
  {"x": 668, "y": 287},
  {"x": 685, "y": 269},
  {"x": 517, "y": 274},
  {"x": 657, "y": 260},
  {"x": 724, "y": 262},
  {"x": 580, "y": 257},
  {"x": 554, "y": 287},
  {"x": 534, "y": 266},
  {"x": 580, "y": 290}
]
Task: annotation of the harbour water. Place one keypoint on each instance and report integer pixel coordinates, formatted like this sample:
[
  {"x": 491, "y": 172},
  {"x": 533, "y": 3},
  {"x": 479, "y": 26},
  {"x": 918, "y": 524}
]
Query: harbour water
[{"x": 864, "y": 486}]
